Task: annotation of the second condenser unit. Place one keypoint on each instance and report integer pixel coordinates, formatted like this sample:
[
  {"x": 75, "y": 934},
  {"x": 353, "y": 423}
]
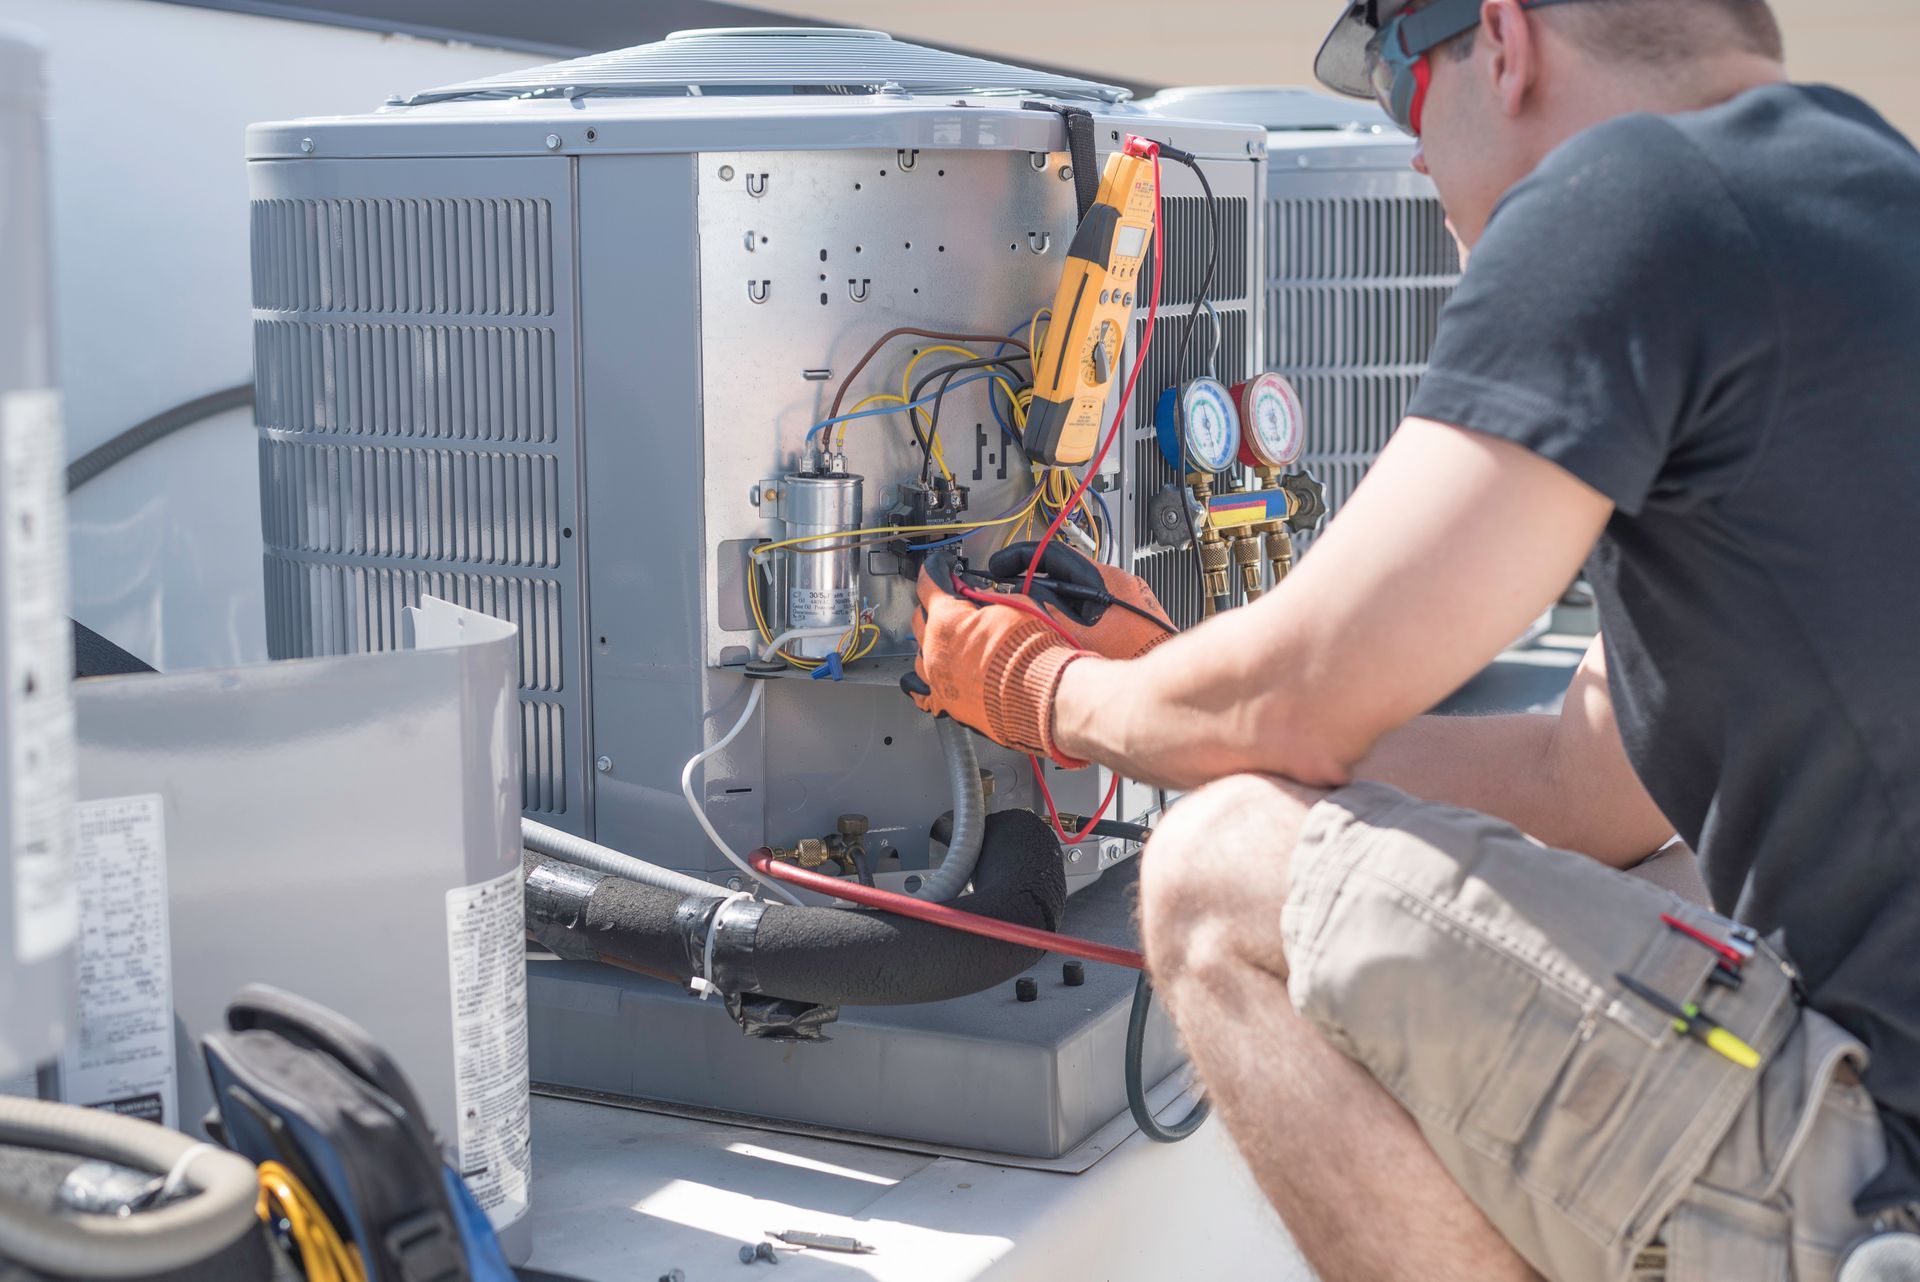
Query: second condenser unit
[{"x": 1358, "y": 262}]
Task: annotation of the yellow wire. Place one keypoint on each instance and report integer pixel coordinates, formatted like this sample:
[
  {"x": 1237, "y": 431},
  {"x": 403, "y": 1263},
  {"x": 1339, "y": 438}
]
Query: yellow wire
[{"x": 324, "y": 1255}]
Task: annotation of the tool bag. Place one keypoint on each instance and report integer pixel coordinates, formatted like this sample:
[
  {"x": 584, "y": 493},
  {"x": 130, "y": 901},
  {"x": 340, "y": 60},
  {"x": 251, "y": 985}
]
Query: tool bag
[{"x": 296, "y": 1083}]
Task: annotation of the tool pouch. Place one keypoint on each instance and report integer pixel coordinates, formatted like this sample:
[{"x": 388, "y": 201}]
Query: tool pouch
[{"x": 298, "y": 1084}]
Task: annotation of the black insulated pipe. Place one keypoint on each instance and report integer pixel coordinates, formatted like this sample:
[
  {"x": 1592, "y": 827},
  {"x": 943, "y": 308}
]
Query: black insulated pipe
[{"x": 822, "y": 956}]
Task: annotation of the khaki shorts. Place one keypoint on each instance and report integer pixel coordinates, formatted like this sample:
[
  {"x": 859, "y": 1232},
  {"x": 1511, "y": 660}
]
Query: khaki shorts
[{"x": 1472, "y": 972}]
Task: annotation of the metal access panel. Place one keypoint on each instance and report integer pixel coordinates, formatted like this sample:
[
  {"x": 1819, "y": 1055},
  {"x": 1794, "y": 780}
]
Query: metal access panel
[{"x": 318, "y": 820}]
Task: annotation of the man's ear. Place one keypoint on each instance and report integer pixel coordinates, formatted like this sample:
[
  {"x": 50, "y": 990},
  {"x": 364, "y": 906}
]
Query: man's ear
[{"x": 1511, "y": 54}]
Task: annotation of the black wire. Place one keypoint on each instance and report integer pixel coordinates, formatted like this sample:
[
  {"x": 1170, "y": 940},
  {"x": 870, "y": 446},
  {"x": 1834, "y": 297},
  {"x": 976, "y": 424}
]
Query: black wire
[
  {"x": 1186, "y": 338},
  {"x": 1151, "y": 1126},
  {"x": 948, "y": 373}
]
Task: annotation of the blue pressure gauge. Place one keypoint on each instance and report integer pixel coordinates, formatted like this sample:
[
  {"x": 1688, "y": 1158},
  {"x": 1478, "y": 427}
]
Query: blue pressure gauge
[{"x": 1198, "y": 426}]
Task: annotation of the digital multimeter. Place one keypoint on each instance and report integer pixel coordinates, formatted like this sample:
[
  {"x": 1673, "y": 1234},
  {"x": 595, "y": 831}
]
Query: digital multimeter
[{"x": 1073, "y": 370}]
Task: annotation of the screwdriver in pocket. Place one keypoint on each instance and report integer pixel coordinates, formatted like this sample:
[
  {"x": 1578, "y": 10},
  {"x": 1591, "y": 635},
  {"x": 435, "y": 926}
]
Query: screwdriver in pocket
[{"x": 1692, "y": 1021}]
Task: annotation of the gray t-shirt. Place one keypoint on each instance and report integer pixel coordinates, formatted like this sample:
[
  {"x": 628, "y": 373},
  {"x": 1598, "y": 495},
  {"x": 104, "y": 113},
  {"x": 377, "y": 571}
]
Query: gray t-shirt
[{"x": 1714, "y": 320}]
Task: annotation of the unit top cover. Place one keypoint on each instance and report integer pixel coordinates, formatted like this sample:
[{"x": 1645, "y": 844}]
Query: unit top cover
[{"x": 777, "y": 60}]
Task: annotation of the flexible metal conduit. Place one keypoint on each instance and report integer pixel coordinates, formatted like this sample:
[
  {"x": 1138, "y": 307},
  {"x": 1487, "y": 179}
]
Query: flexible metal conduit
[
  {"x": 174, "y": 1237},
  {"x": 969, "y": 814},
  {"x": 567, "y": 848}
]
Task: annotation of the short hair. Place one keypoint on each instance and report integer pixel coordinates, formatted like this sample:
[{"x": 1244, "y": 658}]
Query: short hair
[{"x": 1658, "y": 32}]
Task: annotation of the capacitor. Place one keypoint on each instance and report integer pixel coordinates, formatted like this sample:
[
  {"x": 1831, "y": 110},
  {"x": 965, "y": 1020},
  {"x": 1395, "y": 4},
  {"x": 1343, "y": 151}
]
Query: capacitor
[{"x": 823, "y": 578}]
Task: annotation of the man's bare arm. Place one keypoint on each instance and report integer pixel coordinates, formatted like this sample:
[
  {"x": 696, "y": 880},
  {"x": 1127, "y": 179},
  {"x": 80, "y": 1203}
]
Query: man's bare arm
[
  {"x": 1563, "y": 779},
  {"x": 1454, "y": 543}
]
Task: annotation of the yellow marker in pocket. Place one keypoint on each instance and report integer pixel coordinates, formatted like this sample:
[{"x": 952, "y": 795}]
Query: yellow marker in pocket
[{"x": 1693, "y": 1022}]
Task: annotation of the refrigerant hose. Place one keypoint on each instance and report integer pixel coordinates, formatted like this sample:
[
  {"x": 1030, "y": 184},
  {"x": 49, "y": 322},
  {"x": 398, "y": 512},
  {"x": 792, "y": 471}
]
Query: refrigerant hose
[
  {"x": 969, "y": 814},
  {"x": 172, "y": 1237}
]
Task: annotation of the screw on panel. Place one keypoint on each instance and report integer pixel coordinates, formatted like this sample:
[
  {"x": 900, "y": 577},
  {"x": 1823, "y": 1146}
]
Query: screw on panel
[
  {"x": 1026, "y": 989},
  {"x": 1073, "y": 974},
  {"x": 553, "y": 142},
  {"x": 914, "y": 883},
  {"x": 734, "y": 883},
  {"x": 603, "y": 764},
  {"x": 306, "y": 146},
  {"x": 1073, "y": 856},
  {"x": 726, "y": 173},
  {"x": 1066, "y": 173}
]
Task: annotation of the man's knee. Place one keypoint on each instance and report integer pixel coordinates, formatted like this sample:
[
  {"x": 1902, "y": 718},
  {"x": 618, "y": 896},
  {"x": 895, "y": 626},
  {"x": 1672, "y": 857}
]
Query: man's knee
[{"x": 1217, "y": 869}]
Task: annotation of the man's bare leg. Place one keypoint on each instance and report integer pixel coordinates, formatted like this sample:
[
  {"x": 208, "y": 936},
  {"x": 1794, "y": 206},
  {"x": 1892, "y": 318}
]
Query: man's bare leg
[{"x": 1362, "y": 1193}]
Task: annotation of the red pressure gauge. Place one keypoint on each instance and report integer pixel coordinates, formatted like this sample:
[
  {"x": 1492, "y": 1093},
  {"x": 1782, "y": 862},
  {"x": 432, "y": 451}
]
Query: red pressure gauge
[{"x": 1273, "y": 422}]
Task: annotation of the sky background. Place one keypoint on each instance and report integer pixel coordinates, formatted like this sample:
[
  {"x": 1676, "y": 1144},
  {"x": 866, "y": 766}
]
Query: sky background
[{"x": 1865, "y": 46}]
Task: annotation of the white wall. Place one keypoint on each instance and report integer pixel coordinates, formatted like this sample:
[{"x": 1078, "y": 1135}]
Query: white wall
[{"x": 148, "y": 108}]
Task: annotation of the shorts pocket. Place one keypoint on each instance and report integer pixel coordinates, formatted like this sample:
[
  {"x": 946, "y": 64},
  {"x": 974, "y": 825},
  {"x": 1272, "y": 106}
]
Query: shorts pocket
[
  {"x": 1717, "y": 1237},
  {"x": 1638, "y": 1109}
]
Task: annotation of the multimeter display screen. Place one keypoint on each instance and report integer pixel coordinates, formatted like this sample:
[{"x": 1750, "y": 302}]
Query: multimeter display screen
[{"x": 1129, "y": 242}]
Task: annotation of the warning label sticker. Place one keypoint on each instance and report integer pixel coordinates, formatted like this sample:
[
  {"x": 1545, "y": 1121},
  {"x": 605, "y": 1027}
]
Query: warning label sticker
[
  {"x": 486, "y": 954},
  {"x": 123, "y": 1060},
  {"x": 37, "y": 642}
]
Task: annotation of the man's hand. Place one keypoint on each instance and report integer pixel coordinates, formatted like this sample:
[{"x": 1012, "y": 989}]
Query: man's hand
[
  {"x": 993, "y": 668},
  {"x": 1105, "y": 610}
]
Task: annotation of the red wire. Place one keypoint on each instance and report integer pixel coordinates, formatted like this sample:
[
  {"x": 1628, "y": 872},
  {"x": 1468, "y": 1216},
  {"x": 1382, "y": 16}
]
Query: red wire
[
  {"x": 1113, "y": 432},
  {"x": 942, "y": 915},
  {"x": 1126, "y": 395}
]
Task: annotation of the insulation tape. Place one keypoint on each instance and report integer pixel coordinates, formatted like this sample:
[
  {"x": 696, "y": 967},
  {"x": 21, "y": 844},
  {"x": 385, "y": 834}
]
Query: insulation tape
[
  {"x": 720, "y": 936},
  {"x": 557, "y": 896}
]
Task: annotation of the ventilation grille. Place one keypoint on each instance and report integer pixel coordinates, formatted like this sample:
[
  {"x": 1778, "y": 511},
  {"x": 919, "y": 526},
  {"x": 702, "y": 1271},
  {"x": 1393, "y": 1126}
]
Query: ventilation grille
[
  {"x": 1344, "y": 326},
  {"x": 316, "y": 610},
  {"x": 495, "y": 508},
  {"x": 440, "y": 256},
  {"x": 1359, "y": 238},
  {"x": 433, "y": 381},
  {"x": 1355, "y": 289},
  {"x": 774, "y": 59},
  {"x": 1187, "y": 238}
]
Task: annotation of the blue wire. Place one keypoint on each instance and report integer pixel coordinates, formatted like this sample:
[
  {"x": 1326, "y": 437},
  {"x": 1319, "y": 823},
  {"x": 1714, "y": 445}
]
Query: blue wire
[
  {"x": 1105, "y": 515},
  {"x": 877, "y": 410}
]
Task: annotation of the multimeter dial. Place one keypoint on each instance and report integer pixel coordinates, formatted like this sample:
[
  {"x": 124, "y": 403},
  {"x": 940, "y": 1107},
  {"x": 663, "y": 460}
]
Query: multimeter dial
[
  {"x": 1210, "y": 425},
  {"x": 1273, "y": 422}
]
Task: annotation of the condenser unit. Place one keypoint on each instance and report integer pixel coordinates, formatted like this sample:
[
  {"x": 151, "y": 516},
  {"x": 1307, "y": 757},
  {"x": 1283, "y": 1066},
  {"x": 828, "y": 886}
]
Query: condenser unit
[
  {"x": 551, "y": 345},
  {"x": 1358, "y": 264}
]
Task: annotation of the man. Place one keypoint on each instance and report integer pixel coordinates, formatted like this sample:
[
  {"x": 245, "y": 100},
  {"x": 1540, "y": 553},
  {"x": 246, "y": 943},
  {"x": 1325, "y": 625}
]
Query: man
[{"x": 1686, "y": 352}]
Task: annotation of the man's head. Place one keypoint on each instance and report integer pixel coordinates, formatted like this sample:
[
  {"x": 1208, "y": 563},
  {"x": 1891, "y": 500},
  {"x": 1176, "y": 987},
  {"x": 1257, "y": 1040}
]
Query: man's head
[{"x": 1492, "y": 86}]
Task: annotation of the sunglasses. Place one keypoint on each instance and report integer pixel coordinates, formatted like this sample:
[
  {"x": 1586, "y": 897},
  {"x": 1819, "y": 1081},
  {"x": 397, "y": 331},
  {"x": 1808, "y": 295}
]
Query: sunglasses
[{"x": 1398, "y": 63}]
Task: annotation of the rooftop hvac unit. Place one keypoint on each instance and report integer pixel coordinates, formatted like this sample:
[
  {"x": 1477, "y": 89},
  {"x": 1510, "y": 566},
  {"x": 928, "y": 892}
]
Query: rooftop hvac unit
[
  {"x": 1359, "y": 263},
  {"x": 545, "y": 345}
]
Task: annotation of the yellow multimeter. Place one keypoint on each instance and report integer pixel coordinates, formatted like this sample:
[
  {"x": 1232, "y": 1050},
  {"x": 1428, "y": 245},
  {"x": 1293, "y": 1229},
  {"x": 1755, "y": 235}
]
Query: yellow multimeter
[{"x": 1073, "y": 370}]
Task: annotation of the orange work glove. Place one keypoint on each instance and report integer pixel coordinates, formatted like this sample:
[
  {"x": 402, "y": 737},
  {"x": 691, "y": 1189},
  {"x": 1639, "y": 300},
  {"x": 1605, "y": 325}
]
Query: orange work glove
[
  {"x": 1105, "y": 609},
  {"x": 992, "y": 668}
]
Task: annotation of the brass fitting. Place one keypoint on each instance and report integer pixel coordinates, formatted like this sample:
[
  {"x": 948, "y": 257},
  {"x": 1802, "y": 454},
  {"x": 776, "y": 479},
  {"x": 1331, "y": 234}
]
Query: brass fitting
[
  {"x": 986, "y": 782},
  {"x": 852, "y": 827},
  {"x": 1279, "y": 554},
  {"x": 1213, "y": 550},
  {"x": 1246, "y": 556},
  {"x": 811, "y": 852}
]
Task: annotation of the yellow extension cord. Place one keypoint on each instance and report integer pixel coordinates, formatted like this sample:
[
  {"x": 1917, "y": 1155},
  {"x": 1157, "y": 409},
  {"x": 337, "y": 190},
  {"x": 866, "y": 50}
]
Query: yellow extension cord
[{"x": 324, "y": 1255}]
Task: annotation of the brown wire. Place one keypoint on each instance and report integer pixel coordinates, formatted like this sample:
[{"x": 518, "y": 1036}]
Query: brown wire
[{"x": 890, "y": 335}]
